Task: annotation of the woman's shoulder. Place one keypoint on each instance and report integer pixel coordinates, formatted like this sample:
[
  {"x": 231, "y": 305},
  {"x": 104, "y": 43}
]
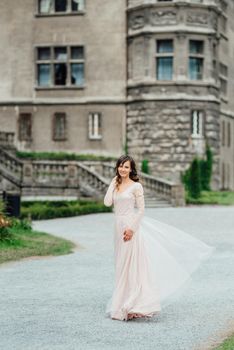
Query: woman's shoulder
[{"x": 138, "y": 187}]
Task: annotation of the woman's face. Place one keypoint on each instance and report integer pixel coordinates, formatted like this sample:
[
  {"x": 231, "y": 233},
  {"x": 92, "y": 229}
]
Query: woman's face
[{"x": 124, "y": 169}]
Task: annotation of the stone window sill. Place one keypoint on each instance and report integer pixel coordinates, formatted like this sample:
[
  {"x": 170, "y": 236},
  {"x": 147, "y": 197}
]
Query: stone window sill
[
  {"x": 95, "y": 138},
  {"x": 59, "y": 88},
  {"x": 60, "y": 14}
]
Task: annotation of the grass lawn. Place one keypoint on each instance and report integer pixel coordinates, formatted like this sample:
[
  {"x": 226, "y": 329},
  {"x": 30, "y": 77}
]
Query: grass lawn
[
  {"x": 24, "y": 243},
  {"x": 213, "y": 197},
  {"x": 228, "y": 344}
]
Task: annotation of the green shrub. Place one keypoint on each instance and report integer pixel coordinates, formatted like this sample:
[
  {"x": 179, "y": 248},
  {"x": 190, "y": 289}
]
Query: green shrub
[
  {"x": 206, "y": 170},
  {"x": 62, "y": 156},
  {"x": 195, "y": 179},
  {"x": 56, "y": 209},
  {"x": 145, "y": 166},
  {"x": 204, "y": 173}
]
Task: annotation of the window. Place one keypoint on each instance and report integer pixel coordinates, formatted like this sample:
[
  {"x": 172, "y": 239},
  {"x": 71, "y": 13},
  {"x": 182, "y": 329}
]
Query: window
[
  {"x": 197, "y": 124},
  {"x": 228, "y": 134},
  {"x": 196, "y": 58},
  {"x": 25, "y": 127},
  {"x": 59, "y": 127},
  {"x": 223, "y": 78},
  {"x": 223, "y": 133},
  {"x": 60, "y": 66},
  {"x": 223, "y": 24},
  {"x": 95, "y": 126},
  {"x": 164, "y": 59},
  {"x": 46, "y": 7}
]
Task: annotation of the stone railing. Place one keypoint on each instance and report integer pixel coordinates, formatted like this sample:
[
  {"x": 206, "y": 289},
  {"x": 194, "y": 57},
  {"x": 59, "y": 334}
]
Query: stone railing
[
  {"x": 165, "y": 189},
  {"x": 11, "y": 168},
  {"x": 63, "y": 174},
  {"x": 77, "y": 178},
  {"x": 91, "y": 181},
  {"x": 49, "y": 177},
  {"x": 169, "y": 190},
  {"x": 7, "y": 139}
]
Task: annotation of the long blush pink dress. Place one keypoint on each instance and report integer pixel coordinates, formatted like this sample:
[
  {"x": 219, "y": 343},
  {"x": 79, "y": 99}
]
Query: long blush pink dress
[{"x": 154, "y": 263}]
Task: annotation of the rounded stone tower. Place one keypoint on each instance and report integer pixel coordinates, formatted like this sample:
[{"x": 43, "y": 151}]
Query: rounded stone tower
[{"x": 174, "y": 91}]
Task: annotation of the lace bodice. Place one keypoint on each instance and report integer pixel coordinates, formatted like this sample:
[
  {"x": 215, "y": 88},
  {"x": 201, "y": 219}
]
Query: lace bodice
[{"x": 124, "y": 202}]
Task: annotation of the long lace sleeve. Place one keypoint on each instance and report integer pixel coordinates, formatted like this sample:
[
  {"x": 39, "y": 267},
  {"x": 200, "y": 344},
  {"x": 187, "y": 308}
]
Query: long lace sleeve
[
  {"x": 108, "y": 199},
  {"x": 140, "y": 203}
]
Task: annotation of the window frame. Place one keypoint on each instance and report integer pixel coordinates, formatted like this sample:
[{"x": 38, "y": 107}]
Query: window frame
[
  {"x": 99, "y": 120},
  {"x": 54, "y": 136},
  {"x": 223, "y": 79},
  {"x": 200, "y": 115},
  {"x": 169, "y": 54},
  {"x": 69, "y": 11},
  {"x": 53, "y": 61},
  {"x": 21, "y": 137},
  {"x": 197, "y": 56}
]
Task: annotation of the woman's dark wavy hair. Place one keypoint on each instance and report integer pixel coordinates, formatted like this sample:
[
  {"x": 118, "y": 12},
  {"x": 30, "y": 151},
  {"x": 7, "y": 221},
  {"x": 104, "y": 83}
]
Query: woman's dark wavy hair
[{"x": 133, "y": 173}]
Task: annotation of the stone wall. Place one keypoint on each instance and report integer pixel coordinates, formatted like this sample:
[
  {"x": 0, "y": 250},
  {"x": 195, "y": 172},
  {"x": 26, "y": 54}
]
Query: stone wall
[{"x": 160, "y": 131}]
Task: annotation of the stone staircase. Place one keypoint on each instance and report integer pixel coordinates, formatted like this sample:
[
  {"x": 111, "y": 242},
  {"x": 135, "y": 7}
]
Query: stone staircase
[
  {"x": 51, "y": 178},
  {"x": 153, "y": 201}
]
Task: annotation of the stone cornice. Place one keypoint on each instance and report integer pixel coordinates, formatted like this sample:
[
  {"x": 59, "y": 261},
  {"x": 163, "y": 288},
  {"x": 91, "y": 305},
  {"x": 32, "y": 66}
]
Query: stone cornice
[
  {"x": 173, "y": 30},
  {"x": 60, "y": 101},
  {"x": 176, "y": 97},
  {"x": 172, "y": 83},
  {"x": 227, "y": 113},
  {"x": 176, "y": 4}
]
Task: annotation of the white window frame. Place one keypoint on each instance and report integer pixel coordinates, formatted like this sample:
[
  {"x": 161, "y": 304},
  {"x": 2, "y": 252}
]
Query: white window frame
[
  {"x": 53, "y": 12},
  {"x": 197, "y": 124},
  {"x": 95, "y": 126},
  {"x": 52, "y": 62}
]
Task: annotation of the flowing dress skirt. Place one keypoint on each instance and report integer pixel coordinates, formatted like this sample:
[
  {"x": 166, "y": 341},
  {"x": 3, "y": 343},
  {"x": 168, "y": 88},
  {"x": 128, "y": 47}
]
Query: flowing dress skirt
[{"x": 152, "y": 266}]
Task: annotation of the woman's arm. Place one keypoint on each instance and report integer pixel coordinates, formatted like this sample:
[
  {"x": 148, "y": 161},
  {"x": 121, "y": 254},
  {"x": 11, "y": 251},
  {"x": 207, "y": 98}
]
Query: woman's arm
[
  {"x": 108, "y": 199},
  {"x": 140, "y": 203}
]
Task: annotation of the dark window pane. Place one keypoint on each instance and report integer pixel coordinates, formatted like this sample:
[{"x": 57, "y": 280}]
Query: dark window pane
[
  {"x": 77, "y": 5},
  {"x": 77, "y": 73},
  {"x": 164, "y": 68},
  {"x": 43, "y": 74},
  {"x": 196, "y": 46},
  {"x": 195, "y": 68},
  {"x": 77, "y": 52},
  {"x": 60, "y": 5},
  {"x": 43, "y": 53},
  {"x": 60, "y": 74},
  {"x": 25, "y": 127},
  {"x": 45, "y": 6},
  {"x": 60, "y": 53},
  {"x": 164, "y": 46}
]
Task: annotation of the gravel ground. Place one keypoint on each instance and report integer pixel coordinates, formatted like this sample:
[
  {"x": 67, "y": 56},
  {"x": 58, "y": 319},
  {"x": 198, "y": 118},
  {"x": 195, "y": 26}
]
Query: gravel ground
[{"x": 58, "y": 303}]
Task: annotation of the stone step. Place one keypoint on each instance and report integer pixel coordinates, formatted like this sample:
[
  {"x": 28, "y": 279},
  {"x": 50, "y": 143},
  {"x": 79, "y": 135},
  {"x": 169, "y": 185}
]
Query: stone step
[{"x": 156, "y": 202}]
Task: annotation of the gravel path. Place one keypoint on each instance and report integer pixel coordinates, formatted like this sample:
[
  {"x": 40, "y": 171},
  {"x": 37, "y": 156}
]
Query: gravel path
[{"x": 58, "y": 303}]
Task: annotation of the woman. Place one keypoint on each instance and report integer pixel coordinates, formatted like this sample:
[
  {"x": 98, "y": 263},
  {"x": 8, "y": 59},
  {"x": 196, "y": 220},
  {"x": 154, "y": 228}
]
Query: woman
[{"x": 152, "y": 259}]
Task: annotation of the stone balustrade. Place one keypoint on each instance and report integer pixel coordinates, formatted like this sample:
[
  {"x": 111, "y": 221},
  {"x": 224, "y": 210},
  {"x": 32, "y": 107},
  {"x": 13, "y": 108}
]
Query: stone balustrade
[
  {"x": 11, "y": 167},
  {"x": 7, "y": 139},
  {"x": 169, "y": 190},
  {"x": 87, "y": 178},
  {"x": 166, "y": 189}
]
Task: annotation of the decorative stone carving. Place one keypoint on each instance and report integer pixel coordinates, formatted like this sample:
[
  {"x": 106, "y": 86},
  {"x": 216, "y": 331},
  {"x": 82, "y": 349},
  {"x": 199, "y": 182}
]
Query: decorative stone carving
[
  {"x": 137, "y": 22},
  {"x": 214, "y": 21},
  {"x": 197, "y": 18},
  {"x": 160, "y": 17}
]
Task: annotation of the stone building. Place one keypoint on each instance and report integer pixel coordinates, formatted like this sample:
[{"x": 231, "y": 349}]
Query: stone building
[
  {"x": 95, "y": 76},
  {"x": 63, "y": 74},
  {"x": 180, "y": 85}
]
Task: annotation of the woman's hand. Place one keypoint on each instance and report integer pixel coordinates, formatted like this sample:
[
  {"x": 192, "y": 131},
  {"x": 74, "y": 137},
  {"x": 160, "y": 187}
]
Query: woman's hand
[{"x": 127, "y": 235}]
